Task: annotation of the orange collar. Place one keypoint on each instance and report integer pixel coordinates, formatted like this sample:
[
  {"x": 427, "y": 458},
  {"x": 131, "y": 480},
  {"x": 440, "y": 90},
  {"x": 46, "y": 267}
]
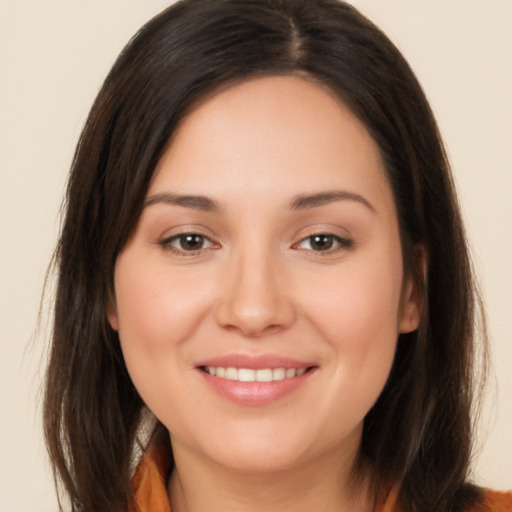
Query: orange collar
[
  {"x": 149, "y": 483},
  {"x": 149, "y": 486}
]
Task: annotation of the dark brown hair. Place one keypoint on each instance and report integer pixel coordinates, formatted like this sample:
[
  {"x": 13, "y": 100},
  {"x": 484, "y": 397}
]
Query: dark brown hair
[{"x": 418, "y": 434}]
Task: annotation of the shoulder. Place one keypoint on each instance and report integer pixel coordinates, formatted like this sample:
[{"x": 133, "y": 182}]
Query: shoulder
[{"x": 494, "y": 501}]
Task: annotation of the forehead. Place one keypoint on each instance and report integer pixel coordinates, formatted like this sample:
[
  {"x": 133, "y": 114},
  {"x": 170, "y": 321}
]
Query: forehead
[{"x": 268, "y": 134}]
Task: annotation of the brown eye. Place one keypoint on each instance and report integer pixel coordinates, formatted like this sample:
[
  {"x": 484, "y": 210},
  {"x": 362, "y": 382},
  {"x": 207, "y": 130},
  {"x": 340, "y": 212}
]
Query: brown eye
[
  {"x": 191, "y": 242},
  {"x": 187, "y": 243},
  {"x": 324, "y": 242},
  {"x": 321, "y": 242}
]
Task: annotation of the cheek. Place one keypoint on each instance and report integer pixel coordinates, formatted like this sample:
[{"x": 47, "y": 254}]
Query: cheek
[
  {"x": 359, "y": 305},
  {"x": 357, "y": 313},
  {"x": 156, "y": 305},
  {"x": 157, "y": 311}
]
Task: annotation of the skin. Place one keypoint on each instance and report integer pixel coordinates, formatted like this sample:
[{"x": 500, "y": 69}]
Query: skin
[{"x": 258, "y": 284}]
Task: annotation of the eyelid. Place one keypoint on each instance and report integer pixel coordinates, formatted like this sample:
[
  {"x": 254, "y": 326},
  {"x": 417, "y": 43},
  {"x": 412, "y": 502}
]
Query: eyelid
[
  {"x": 167, "y": 243},
  {"x": 341, "y": 243}
]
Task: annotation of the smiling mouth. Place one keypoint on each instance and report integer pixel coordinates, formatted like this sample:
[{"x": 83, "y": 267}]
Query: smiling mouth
[{"x": 252, "y": 375}]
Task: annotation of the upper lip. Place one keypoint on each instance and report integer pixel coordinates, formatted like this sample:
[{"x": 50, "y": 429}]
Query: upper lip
[{"x": 255, "y": 362}]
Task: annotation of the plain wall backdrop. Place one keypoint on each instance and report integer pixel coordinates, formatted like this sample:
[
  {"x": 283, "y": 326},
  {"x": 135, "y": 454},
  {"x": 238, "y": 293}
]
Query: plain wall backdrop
[{"x": 54, "y": 56}]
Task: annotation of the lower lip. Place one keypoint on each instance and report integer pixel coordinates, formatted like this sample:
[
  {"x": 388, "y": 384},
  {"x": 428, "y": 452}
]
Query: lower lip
[{"x": 255, "y": 393}]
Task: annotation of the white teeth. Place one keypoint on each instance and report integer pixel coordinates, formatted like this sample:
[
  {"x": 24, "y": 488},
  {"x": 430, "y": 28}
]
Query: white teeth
[
  {"x": 264, "y": 375},
  {"x": 251, "y": 375},
  {"x": 231, "y": 374},
  {"x": 246, "y": 375},
  {"x": 278, "y": 374}
]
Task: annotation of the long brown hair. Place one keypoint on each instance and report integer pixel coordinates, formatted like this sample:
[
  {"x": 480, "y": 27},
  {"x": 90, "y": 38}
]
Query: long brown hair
[{"x": 419, "y": 432}]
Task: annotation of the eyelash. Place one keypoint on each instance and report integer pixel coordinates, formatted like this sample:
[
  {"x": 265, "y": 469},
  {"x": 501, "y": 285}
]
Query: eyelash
[
  {"x": 167, "y": 244},
  {"x": 339, "y": 243}
]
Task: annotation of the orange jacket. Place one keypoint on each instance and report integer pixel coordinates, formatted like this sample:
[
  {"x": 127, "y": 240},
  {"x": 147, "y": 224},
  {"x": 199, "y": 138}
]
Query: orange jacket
[{"x": 150, "y": 488}]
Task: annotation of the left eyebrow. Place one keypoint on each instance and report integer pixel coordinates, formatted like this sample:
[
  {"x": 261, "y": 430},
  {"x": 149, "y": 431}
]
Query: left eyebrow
[
  {"x": 194, "y": 202},
  {"x": 306, "y": 201}
]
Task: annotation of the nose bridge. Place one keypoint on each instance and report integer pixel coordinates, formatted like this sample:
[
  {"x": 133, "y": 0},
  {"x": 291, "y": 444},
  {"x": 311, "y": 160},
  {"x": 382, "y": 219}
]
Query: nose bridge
[{"x": 254, "y": 299}]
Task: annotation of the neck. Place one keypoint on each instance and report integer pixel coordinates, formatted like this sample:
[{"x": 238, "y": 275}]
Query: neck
[{"x": 197, "y": 485}]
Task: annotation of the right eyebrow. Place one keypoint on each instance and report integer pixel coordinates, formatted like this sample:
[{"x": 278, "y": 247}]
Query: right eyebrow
[
  {"x": 315, "y": 200},
  {"x": 201, "y": 203}
]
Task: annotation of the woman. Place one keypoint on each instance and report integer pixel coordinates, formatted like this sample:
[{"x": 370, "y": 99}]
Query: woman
[{"x": 262, "y": 249}]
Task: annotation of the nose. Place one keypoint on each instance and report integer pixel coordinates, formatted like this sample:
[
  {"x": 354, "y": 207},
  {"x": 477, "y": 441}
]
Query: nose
[{"x": 255, "y": 299}]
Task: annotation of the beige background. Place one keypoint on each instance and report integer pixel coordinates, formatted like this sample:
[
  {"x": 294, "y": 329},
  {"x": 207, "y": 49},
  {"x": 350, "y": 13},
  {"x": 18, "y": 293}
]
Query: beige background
[{"x": 54, "y": 55}]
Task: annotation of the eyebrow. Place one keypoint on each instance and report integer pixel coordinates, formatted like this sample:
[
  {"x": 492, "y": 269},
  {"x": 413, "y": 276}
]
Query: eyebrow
[
  {"x": 306, "y": 201},
  {"x": 201, "y": 203},
  {"x": 300, "y": 202}
]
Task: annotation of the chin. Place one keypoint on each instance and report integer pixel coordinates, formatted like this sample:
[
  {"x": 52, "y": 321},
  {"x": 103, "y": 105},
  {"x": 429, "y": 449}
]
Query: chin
[
  {"x": 277, "y": 449},
  {"x": 260, "y": 460}
]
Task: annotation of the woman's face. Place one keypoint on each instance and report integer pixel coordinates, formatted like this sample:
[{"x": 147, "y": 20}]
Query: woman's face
[{"x": 261, "y": 295}]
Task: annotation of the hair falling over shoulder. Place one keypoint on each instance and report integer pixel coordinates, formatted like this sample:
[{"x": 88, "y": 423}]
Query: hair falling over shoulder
[{"x": 419, "y": 433}]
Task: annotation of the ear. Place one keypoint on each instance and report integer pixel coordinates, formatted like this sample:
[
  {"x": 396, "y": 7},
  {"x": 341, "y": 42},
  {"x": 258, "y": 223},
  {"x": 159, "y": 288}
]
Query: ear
[
  {"x": 112, "y": 313},
  {"x": 412, "y": 291}
]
